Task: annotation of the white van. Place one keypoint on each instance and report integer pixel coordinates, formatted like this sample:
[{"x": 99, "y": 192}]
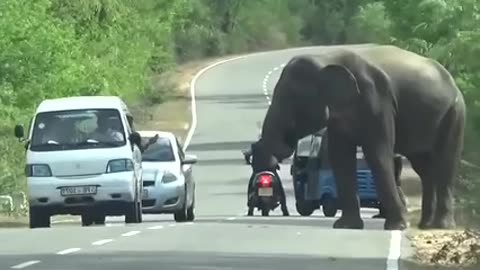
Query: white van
[{"x": 83, "y": 158}]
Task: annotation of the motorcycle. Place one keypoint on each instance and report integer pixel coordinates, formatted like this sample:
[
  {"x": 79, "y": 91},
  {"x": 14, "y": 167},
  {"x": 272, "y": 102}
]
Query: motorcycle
[{"x": 264, "y": 195}]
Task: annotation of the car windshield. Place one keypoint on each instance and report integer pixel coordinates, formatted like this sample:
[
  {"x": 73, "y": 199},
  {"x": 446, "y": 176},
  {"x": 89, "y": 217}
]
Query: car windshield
[
  {"x": 160, "y": 151},
  {"x": 77, "y": 129}
]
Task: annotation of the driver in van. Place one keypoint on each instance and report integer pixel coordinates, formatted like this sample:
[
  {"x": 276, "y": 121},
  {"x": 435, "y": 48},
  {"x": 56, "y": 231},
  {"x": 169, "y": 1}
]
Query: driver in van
[
  {"x": 263, "y": 161},
  {"x": 107, "y": 128}
]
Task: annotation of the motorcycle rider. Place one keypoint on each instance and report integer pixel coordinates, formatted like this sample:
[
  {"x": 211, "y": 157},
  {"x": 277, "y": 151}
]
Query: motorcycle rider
[{"x": 264, "y": 161}]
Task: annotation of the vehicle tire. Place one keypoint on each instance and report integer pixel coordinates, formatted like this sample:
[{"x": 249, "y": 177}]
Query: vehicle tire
[
  {"x": 191, "y": 210},
  {"x": 181, "y": 214},
  {"x": 265, "y": 212},
  {"x": 329, "y": 207},
  {"x": 304, "y": 208},
  {"x": 38, "y": 218},
  {"x": 87, "y": 219},
  {"x": 132, "y": 216},
  {"x": 100, "y": 219}
]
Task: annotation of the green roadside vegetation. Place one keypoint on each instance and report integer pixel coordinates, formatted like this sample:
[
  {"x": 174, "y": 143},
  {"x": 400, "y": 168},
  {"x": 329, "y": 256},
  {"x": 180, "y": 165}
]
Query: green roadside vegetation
[{"x": 133, "y": 48}]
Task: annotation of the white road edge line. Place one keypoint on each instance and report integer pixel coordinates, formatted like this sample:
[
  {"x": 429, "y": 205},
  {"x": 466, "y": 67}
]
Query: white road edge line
[
  {"x": 25, "y": 264},
  {"x": 394, "y": 250},
  {"x": 102, "y": 242},
  {"x": 131, "y": 233},
  {"x": 193, "y": 102},
  {"x": 68, "y": 251}
]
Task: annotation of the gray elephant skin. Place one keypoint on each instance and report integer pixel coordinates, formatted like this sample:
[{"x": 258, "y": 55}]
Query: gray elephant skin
[{"x": 386, "y": 100}]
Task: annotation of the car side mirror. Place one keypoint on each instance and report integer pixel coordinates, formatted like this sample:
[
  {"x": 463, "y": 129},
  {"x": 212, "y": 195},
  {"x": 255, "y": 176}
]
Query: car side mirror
[
  {"x": 189, "y": 159},
  {"x": 135, "y": 138},
  {"x": 19, "y": 132}
]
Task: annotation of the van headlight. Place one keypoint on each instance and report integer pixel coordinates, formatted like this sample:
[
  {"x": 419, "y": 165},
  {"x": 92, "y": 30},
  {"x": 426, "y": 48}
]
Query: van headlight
[
  {"x": 38, "y": 170},
  {"x": 119, "y": 165},
  {"x": 168, "y": 177}
]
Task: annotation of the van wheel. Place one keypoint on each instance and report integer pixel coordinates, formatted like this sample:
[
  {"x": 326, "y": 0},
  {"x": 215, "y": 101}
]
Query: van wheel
[
  {"x": 132, "y": 215},
  {"x": 87, "y": 219},
  {"x": 304, "y": 208},
  {"x": 100, "y": 219},
  {"x": 38, "y": 218},
  {"x": 329, "y": 207}
]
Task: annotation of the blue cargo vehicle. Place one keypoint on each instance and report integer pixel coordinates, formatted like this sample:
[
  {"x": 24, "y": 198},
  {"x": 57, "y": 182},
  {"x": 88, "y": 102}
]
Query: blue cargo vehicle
[{"x": 313, "y": 180}]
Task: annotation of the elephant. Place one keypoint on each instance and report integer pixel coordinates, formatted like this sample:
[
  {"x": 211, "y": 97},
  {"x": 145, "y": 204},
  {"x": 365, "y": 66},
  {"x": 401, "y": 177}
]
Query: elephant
[{"x": 388, "y": 101}]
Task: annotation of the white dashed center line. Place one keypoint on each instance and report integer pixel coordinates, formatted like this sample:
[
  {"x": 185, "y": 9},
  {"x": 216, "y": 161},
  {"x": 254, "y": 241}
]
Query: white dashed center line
[
  {"x": 156, "y": 227},
  {"x": 102, "y": 242},
  {"x": 68, "y": 251},
  {"x": 25, "y": 264},
  {"x": 131, "y": 233},
  {"x": 265, "y": 82}
]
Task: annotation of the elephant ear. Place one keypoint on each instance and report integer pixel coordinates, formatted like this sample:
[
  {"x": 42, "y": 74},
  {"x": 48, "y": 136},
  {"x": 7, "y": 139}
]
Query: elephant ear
[{"x": 338, "y": 86}]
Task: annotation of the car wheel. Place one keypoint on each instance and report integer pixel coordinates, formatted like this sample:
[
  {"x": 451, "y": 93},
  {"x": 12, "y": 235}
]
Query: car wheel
[
  {"x": 38, "y": 218},
  {"x": 329, "y": 207},
  {"x": 191, "y": 210},
  {"x": 181, "y": 214}
]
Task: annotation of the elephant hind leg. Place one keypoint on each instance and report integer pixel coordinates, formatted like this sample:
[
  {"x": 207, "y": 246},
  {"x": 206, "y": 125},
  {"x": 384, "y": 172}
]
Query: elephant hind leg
[
  {"x": 421, "y": 164},
  {"x": 445, "y": 163}
]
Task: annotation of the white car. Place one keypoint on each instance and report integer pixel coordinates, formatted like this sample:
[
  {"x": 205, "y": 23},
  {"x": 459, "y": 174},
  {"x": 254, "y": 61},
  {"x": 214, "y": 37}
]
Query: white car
[{"x": 168, "y": 184}]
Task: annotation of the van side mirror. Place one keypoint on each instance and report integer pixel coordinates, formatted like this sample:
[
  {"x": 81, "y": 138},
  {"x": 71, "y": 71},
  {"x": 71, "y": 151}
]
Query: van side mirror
[
  {"x": 135, "y": 138},
  {"x": 19, "y": 132}
]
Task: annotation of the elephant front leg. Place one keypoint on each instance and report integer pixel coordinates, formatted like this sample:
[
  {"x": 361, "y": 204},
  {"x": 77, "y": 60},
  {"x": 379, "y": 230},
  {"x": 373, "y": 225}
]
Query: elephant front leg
[{"x": 342, "y": 156}]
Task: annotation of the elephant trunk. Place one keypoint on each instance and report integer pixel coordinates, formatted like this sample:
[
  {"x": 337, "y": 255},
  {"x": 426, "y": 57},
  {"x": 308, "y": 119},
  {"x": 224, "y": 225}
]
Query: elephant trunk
[{"x": 277, "y": 135}]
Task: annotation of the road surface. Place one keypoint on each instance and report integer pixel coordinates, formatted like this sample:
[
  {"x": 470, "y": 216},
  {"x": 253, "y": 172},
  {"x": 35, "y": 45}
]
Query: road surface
[{"x": 230, "y": 99}]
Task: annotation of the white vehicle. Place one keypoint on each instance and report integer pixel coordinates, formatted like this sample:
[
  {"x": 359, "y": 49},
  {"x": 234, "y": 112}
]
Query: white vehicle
[
  {"x": 83, "y": 158},
  {"x": 168, "y": 184}
]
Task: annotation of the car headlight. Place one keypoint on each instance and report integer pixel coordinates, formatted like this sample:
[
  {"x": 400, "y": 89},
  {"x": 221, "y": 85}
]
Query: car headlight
[
  {"x": 168, "y": 177},
  {"x": 38, "y": 170},
  {"x": 119, "y": 165}
]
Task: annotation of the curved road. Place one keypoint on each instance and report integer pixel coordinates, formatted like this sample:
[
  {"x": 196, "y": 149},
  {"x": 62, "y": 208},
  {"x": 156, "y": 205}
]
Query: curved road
[{"x": 230, "y": 99}]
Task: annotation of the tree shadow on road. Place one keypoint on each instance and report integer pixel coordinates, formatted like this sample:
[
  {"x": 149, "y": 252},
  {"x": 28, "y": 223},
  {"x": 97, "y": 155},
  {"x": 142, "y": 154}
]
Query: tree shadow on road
[
  {"x": 132, "y": 257},
  {"x": 190, "y": 260},
  {"x": 220, "y": 146},
  {"x": 232, "y": 99}
]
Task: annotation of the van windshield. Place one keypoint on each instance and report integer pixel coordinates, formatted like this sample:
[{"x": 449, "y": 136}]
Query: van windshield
[{"x": 77, "y": 129}]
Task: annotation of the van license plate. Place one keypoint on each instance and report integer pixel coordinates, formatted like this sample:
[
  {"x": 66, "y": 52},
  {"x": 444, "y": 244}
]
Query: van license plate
[
  {"x": 145, "y": 193},
  {"x": 265, "y": 191},
  {"x": 79, "y": 190}
]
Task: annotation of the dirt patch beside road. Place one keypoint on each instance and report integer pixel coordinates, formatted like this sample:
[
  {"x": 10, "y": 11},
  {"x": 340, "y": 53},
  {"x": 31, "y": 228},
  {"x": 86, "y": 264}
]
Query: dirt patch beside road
[{"x": 436, "y": 249}]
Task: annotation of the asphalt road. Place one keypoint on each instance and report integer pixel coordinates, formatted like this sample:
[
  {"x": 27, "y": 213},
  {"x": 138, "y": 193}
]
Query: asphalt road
[{"x": 230, "y": 99}]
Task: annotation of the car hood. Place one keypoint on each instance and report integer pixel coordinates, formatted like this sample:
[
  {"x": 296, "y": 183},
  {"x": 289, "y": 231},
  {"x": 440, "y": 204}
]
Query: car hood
[{"x": 155, "y": 170}]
